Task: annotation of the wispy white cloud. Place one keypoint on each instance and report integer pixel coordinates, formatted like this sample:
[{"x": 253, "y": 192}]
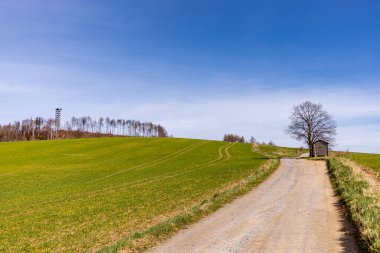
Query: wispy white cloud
[
  {"x": 265, "y": 115},
  {"x": 259, "y": 110},
  {"x": 244, "y": 106},
  {"x": 7, "y": 89}
]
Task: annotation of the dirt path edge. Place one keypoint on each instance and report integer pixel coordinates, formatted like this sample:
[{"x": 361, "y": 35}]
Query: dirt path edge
[{"x": 295, "y": 210}]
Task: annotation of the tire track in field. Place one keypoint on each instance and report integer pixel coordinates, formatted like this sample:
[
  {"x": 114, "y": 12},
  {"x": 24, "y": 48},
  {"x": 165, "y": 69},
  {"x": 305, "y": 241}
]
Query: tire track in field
[
  {"x": 105, "y": 191},
  {"x": 104, "y": 157},
  {"x": 176, "y": 173},
  {"x": 102, "y": 192},
  {"x": 221, "y": 151},
  {"x": 184, "y": 171},
  {"x": 224, "y": 155},
  {"x": 154, "y": 162},
  {"x": 227, "y": 151},
  {"x": 141, "y": 166},
  {"x": 100, "y": 155}
]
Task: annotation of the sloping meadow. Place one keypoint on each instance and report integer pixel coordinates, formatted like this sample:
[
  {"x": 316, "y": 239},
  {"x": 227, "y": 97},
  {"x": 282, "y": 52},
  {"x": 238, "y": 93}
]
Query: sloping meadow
[{"x": 84, "y": 195}]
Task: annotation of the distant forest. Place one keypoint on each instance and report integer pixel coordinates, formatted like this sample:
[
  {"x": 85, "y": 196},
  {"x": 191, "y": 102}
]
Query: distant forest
[{"x": 48, "y": 129}]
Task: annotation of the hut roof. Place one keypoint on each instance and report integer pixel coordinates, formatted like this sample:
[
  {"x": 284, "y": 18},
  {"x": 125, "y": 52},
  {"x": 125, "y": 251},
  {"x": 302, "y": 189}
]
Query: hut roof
[{"x": 320, "y": 140}]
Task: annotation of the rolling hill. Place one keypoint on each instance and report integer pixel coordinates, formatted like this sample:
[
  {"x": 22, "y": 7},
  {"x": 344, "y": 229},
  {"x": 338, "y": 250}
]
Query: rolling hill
[{"x": 98, "y": 194}]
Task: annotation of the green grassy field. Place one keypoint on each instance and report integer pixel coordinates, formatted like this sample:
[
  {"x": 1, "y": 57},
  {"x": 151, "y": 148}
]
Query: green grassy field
[
  {"x": 370, "y": 161},
  {"x": 82, "y": 195}
]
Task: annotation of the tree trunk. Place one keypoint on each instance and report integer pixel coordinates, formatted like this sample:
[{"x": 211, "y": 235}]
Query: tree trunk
[{"x": 311, "y": 150}]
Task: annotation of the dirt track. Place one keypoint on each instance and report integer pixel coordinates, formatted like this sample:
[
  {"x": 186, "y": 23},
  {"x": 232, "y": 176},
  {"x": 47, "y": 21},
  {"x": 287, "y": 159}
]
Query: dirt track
[{"x": 295, "y": 210}]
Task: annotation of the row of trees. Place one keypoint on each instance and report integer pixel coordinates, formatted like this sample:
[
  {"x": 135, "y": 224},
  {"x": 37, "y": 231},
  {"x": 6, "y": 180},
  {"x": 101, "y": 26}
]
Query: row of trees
[
  {"x": 237, "y": 138},
  {"x": 233, "y": 138},
  {"x": 28, "y": 129},
  {"x": 47, "y": 129},
  {"x": 116, "y": 127}
]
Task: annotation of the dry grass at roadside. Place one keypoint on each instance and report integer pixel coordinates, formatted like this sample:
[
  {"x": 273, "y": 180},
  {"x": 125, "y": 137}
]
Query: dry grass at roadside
[
  {"x": 371, "y": 162},
  {"x": 362, "y": 200}
]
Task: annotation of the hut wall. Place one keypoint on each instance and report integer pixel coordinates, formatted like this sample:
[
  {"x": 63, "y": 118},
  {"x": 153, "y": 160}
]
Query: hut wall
[{"x": 321, "y": 149}]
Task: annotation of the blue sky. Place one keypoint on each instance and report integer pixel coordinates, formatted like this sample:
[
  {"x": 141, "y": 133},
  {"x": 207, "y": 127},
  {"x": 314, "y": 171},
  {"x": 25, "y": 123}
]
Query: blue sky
[{"x": 201, "y": 68}]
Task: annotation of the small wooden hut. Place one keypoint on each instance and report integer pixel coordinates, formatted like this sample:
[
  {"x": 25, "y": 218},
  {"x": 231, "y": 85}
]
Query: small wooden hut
[{"x": 321, "y": 148}]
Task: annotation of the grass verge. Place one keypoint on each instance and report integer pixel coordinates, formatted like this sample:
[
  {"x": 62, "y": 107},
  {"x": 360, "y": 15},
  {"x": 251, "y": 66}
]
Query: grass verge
[
  {"x": 361, "y": 201},
  {"x": 143, "y": 240}
]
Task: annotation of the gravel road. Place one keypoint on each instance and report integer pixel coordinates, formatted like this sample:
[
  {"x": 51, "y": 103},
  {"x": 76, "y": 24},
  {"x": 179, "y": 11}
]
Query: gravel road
[{"x": 295, "y": 210}]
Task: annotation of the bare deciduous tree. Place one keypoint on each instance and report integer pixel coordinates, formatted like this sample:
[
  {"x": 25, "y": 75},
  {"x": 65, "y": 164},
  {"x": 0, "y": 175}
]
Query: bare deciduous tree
[
  {"x": 310, "y": 123},
  {"x": 252, "y": 139}
]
